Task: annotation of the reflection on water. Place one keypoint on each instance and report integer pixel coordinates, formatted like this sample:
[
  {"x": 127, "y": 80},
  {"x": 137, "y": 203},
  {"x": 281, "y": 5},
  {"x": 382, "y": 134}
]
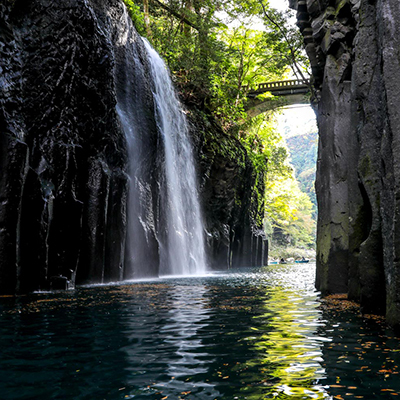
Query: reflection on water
[
  {"x": 285, "y": 338},
  {"x": 253, "y": 334},
  {"x": 178, "y": 349},
  {"x": 187, "y": 316}
]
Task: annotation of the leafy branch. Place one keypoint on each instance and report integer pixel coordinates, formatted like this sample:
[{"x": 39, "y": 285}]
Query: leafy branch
[
  {"x": 292, "y": 49},
  {"x": 177, "y": 15}
]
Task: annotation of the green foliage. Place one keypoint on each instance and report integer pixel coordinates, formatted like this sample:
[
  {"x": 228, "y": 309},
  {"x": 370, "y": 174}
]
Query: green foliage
[
  {"x": 137, "y": 16},
  {"x": 266, "y": 146},
  {"x": 214, "y": 51},
  {"x": 249, "y": 60},
  {"x": 288, "y": 40},
  {"x": 289, "y": 213},
  {"x": 303, "y": 157}
]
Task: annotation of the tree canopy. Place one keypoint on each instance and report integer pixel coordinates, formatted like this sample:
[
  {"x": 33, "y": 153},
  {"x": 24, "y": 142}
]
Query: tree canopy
[{"x": 217, "y": 48}]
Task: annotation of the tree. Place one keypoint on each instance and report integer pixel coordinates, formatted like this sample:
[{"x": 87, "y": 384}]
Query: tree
[
  {"x": 212, "y": 49},
  {"x": 288, "y": 211},
  {"x": 146, "y": 17}
]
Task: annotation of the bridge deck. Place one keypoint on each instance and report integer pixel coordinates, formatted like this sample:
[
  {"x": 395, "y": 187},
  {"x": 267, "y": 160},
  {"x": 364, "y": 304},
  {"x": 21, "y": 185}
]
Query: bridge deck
[{"x": 281, "y": 88}]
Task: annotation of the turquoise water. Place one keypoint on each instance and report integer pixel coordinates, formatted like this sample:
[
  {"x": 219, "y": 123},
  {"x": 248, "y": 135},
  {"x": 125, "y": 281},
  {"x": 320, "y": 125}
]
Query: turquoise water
[{"x": 250, "y": 334}]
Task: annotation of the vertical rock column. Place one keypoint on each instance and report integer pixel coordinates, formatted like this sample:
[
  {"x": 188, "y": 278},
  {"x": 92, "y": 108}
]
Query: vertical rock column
[
  {"x": 353, "y": 46},
  {"x": 63, "y": 154},
  {"x": 388, "y": 21},
  {"x": 368, "y": 116},
  {"x": 328, "y": 31}
]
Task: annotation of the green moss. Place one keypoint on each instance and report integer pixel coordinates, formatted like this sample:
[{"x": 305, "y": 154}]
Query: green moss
[
  {"x": 364, "y": 166},
  {"x": 324, "y": 244}
]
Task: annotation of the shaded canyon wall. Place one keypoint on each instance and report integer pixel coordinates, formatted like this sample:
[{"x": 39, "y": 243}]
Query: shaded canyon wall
[
  {"x": 232, "y": 194},
  {"x": 63, "y": 154},
  {"x": 354, "y": 46}
]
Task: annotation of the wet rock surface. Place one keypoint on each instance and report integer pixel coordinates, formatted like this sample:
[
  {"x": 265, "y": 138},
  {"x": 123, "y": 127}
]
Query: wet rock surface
[
  {"x": 232, "y": 196},
  {"x": 353, "y": 47},
  {"x": 63, "y": 153},
  {"x": 62, "y": 148}
]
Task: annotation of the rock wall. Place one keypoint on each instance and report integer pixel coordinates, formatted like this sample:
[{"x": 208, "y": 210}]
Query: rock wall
[
  {"x": 63, "y": 153},
  {"x": 353, "y": 46},
  {"x": 232, "y": 194}
]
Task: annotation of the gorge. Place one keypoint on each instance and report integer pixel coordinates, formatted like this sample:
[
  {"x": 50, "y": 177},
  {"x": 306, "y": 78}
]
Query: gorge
[
  {"x": 111, "y": 181},
  {"x": 97, "y": 181},
  {"x": 78, "y": 98}
]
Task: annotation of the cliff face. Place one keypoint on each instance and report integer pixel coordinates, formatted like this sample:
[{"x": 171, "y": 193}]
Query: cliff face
[
  {"x": 232, "y": 194},
  {"x": 353, "y": 46},
  {"x": 63, "y": 153}
]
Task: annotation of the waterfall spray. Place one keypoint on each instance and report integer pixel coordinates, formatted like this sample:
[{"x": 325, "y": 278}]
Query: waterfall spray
[
  {"x": 183, "y": 251},
  {"x": 165, "y": 234}
]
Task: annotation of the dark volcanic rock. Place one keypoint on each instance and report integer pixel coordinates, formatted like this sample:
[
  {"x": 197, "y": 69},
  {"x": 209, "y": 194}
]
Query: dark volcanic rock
[
  {"x": 63, "y": 155},
  {"x": 354, "y": 54},
  {"x": 64, "y": 186},
  {"x": 232, "y": 195}
]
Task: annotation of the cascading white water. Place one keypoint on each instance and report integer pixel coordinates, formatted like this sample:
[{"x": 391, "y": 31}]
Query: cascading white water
[
  {"x": 164, "y": 224},
  {"x": 141, "y": 258},
  {"x": 184, "y": 250}
]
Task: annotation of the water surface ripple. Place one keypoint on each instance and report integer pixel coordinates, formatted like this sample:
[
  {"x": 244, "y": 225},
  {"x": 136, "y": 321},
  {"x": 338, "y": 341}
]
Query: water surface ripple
[{"x": 249, "y": 334}]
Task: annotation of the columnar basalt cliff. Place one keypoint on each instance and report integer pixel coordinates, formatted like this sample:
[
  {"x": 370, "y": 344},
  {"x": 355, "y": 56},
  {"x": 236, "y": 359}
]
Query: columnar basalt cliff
[
  {"x": 63, "y": 183},
  {"x": 64, "y": 168},
  {"x": 353, "y": 46},
  {"x": 233, "y": 198}
]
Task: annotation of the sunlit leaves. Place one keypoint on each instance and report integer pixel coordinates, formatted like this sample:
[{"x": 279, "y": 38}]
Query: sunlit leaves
[
  {"x": 249, "y": 59},
  {"x": 214, "y": 48},
  {"x": 289, "y": 212}
]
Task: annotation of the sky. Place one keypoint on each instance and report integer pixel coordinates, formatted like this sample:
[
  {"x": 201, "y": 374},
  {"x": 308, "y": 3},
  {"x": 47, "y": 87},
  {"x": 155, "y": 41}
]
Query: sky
[
  {"x": 302, "y": 117},
  {"x": 301, "y": 120},
  {"x": 280, "y": 5}
]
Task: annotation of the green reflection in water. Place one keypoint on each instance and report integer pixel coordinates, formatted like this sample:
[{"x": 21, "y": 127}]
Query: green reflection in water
[
  {"x": 253, "y": 334},
  {"x": 286, "y": 345}
]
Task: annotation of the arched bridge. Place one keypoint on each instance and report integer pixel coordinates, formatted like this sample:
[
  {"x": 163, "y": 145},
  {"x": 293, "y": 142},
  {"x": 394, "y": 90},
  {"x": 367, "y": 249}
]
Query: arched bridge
[
  {"x": 282, "y": 88},
  {"x": 289, "y": 92}
]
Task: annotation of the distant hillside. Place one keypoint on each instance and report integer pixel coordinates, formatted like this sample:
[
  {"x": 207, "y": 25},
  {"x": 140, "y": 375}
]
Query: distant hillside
[{"x": 303, "y": 154}]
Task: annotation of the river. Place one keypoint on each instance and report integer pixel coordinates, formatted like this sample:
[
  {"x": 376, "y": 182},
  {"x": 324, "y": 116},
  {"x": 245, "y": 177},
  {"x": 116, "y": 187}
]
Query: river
[{"x": 249, "y": 334}]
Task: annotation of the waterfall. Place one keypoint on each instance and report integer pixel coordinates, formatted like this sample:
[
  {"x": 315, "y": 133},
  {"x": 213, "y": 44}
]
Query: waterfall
[
  {"x": 133, "y": 104},
  {"x": 164, "y": 223},
  {"x": 183, "y": 252}
]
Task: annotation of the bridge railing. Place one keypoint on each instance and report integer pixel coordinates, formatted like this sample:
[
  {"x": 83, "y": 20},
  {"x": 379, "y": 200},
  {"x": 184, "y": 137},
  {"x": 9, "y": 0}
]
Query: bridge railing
[{"x": 279, "y": 85}]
